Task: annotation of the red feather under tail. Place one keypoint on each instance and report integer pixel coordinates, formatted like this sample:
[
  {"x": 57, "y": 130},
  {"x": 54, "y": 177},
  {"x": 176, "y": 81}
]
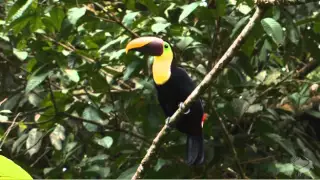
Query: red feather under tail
[{"x": 204, "y": 118}]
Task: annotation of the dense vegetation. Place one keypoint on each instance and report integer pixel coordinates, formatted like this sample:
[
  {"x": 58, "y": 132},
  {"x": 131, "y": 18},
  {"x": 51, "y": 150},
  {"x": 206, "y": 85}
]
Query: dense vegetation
[{"x": 73, "y": 104}]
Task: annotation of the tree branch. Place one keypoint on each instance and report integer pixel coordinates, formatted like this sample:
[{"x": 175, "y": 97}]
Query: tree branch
[
  {"x": 282, "y": 2},
  {"x": 308, "y": 68},
  {"x": 221, "y": 64}
]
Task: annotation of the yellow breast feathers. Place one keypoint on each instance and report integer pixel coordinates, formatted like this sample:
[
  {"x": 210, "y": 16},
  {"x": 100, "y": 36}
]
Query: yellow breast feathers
[{"x": 161, "y": 68}]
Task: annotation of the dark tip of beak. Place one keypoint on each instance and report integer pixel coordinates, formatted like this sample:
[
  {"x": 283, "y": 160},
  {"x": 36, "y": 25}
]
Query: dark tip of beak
[
  {"x": 147, "y": 45},
  {"x": 153, "y": 48}
]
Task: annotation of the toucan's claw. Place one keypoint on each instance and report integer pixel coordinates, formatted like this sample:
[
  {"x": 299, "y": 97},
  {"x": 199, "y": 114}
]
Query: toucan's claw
[
  {"x": 168, "y": 123},
  {"x": 181, "y": 106}
]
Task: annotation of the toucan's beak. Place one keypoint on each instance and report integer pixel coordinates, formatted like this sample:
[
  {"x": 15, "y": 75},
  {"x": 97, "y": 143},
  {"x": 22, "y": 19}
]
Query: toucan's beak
[{"x": 148, "y": 45}]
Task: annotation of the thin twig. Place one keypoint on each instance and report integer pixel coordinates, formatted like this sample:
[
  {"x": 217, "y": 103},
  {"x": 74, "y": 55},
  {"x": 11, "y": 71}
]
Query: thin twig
[
  {"x": 257, "y": 160},
  {"x": 40, "y": 157},
  {"x": 53, "y": 100},
  {"x": 114, "y": 18},
  {"x": 104, "y": 126},
  {"x": 72, "y": 49},
  {"x": 9, "y": 130},
  {"x": 234, "y": 152},
  {"x": 221, "y": 64}
]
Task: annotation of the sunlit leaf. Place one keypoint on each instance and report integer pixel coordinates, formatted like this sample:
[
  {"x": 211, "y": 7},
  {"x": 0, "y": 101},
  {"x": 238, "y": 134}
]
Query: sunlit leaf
[
  {"x": 160, "y": 163},
  {"x": 129, "y": 18},
  {"x": 35, "y": 79},
  {"x": 19, "y": 8},
  {"x": 106, "y": 142},
  {"x": 10, "y": 170},
  {"x": 159, "y": 27},
  {"x": 3, "y": 118},
  {"x": 72, "y": 74},
  {"x": 91, "y": 114},
  {"x": 188, "y": 9},
  {"x": 273, "y": 29},
  {"x": 127, "y": 174},
  {"x": 74, "y": 14},
  {"x": 287, "y": 168},
  {"x": 57, "y": 136},
  {"x": 33, "y": 143},
  {"x": 22, "y": 55}
]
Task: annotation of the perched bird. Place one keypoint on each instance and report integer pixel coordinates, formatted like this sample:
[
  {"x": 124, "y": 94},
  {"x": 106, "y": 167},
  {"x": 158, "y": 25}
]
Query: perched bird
[{"x": 173, "y": 86}]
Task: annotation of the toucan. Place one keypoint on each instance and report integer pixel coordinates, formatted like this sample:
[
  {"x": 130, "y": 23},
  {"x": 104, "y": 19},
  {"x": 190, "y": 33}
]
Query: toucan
[{"x": 173, "y": 86}]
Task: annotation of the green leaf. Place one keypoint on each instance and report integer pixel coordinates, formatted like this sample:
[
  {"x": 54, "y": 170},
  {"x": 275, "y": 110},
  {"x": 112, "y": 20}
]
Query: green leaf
[
  {"x": 158, "y": 27},
  {"x": 303, "y": 166},
  {"x": 33, "y": 143},
  {"x": 286, "y": 169},
  {"x": 150, "y": 5},
  {"x": 57, "y": 15},
  {"x": 74, "y": 14},
  {"x": 19, "y": 143},
  {"x": 73, "y": 75},
  {"x": 273, "y": 29},
  {"x": 127, "y": 174},
  {"x": 188, "y": 9},
  {"x": 10, "y": 170},
  {"x": 57, "y": 136},
  {"x": 285, "y": 144},
  {"x": 95, "y": 159},
  {"x": 110, "y": 43},
  {"x": 240, "y": 106},
  {"x": 254, "y": 108},
  {"x": 261, "y": 76},
  {"x": 316, "y": 27},
  {"x": 102, "y": 171},
  {"x": 243, "y": 21},
  {"x": 105, "y": 142},
  {"x": 36, "y": 79},
  {"x": 18, "y": 24},
  {"x": 91, "y": 114},
  {"x": 22, "y": 55},
  {"x": 19, "y": 8},
  {"x": 314, "y": 113},
  {"x": 129, "y": 18},
  {"x": 272, "y": 78},
  {"x": 34, "y": 99},
  {"x": 36, "y": 23},
  {"x": 132, "y": 67},
  {"x": 160, "y": 164},
  {"x": 12, "y": 102},
  {"x": 3, "y": 118},
  {"x": 6, "y": 111},
  {"x": 184, "y": 43}
]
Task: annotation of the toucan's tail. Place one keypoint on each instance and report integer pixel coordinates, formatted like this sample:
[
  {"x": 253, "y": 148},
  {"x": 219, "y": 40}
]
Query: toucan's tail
[{"x": 195, "y": 150}]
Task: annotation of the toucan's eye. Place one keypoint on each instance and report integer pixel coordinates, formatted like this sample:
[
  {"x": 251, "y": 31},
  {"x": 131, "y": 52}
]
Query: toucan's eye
[{"x": 166, "y": 46}]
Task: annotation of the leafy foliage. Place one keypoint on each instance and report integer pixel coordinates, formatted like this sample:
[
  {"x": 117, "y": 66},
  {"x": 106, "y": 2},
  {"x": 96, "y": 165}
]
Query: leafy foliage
[{"x": 74, "y": 105}]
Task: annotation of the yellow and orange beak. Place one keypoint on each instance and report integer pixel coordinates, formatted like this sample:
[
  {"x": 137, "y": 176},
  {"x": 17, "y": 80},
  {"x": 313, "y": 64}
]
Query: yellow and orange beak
[{"x": 148, "y": 45}]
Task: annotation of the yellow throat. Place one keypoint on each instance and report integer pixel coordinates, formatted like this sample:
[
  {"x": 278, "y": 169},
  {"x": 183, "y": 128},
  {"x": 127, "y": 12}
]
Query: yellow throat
[{"x": 161, "y": 68}]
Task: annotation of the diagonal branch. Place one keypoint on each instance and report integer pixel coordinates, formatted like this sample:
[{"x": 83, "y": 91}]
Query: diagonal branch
[
  {"x": 308, "y": 68},
  {"x": 221, "y": 64}
]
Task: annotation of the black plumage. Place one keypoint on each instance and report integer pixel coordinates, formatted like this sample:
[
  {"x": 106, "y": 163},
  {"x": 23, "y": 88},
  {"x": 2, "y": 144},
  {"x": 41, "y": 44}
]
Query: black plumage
[
  {"x": 170, "y": 95},
  {"x": 173, "y": 86}
]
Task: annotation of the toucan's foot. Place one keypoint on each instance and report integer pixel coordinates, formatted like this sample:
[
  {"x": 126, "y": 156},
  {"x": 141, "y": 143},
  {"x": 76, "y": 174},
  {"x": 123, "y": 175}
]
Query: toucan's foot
[
  {"x": 181, "y": 106},
  {"x": 169, "y": 124}
]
